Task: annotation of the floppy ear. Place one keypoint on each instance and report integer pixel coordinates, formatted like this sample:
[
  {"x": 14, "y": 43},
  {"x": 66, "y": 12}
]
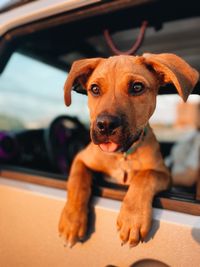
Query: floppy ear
[
  {"x": 79, "y": 73},
  {"x": 174, "y": 70}
]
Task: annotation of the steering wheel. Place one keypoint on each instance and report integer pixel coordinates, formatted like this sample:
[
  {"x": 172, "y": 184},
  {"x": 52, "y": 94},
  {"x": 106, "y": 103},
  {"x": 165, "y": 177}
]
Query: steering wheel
[{"x": 64, "y": 137}]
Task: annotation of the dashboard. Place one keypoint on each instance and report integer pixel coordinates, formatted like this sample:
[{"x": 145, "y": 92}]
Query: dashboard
[{"x": 48, "y": 149}]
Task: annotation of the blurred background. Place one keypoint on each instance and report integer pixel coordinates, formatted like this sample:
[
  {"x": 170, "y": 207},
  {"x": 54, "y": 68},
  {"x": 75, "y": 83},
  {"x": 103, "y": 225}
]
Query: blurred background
[{"x": 36, "y": 58}]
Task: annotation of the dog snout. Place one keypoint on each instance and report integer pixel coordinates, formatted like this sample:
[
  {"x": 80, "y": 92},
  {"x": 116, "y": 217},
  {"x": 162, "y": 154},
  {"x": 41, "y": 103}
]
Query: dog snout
[{"x": 106, "y": 124}]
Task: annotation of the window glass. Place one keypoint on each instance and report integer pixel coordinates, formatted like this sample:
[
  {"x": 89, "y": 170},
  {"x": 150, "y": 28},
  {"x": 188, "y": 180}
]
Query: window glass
[{"x": 31, "y": 95}]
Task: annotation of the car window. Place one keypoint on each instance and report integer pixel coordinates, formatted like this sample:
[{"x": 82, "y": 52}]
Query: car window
[{"x": 31, "y": 95}]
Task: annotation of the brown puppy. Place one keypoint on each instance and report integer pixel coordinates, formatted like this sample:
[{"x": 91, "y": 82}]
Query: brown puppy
[{"x": 122, "y": 97}]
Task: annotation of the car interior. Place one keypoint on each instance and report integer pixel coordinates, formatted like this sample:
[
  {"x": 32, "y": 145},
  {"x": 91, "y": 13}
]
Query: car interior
[{"x": 40, "y": 138}]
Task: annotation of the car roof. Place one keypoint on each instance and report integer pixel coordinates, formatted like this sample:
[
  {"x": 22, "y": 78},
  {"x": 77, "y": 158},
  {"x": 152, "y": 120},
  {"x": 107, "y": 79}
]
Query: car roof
[{"x": 36, "y": 10}]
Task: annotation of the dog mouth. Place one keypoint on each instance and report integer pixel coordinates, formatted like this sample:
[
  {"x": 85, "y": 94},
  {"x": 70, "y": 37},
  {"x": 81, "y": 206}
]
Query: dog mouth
[
  {"x": 109, "y": 146},
  {"x": 113, "y": 146}
]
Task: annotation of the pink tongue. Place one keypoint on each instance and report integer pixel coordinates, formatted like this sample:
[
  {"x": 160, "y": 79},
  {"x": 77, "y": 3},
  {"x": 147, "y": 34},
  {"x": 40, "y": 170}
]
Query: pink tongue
[{"x": 109, "y": 147}]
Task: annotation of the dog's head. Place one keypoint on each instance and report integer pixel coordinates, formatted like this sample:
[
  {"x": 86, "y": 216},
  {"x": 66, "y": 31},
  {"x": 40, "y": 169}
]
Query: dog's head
[{"x": 122, "y": 93}]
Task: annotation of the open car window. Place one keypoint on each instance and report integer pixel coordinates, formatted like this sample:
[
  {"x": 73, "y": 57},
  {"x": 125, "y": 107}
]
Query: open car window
[{"x": 31, "y": 87}]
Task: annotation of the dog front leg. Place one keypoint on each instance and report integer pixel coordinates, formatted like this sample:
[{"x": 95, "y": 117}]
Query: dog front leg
[
  {"x": 74, "y": 217},
  {"x": 134, "y": 220}
]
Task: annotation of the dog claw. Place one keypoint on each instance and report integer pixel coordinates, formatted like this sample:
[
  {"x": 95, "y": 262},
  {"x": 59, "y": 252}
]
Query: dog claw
[
  {"x": 81, "y": 239},
  {"x": 69, "y": 245},
  {"x": 132, "y": 245}
]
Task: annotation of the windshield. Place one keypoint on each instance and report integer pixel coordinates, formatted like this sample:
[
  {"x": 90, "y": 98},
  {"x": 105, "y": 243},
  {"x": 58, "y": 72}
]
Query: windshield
[{"x": 31, "y": 95}]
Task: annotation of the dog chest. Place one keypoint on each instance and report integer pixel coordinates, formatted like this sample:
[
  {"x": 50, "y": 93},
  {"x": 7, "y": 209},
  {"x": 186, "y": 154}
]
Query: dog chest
[{"x": 124, "y": 169}]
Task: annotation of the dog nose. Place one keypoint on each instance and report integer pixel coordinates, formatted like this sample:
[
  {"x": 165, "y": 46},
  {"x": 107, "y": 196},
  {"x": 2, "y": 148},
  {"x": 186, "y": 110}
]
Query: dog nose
[{"x": 106, "y": 124}]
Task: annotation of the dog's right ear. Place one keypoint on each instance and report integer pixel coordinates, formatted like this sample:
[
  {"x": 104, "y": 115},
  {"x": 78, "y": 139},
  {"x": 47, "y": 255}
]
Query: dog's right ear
[{"x": 79, "y": 73}]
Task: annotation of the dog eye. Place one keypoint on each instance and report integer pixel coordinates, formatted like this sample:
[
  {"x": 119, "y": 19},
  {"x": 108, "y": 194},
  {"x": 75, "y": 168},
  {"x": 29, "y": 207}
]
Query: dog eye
[
  {"x": 136, "y": 88},
  {"x": 95, "y": 90}
]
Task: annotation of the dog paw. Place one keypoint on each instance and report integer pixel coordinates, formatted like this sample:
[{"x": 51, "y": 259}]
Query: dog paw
[
  {"x": 73, "y": 225},
  {"x": 134, "y": 223}
]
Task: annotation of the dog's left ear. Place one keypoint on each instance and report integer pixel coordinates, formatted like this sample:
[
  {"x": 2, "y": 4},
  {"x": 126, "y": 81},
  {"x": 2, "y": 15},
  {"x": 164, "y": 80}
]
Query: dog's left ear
[
  {"x": 79, "y": 73},
  {"x": 174, "y": 70}
]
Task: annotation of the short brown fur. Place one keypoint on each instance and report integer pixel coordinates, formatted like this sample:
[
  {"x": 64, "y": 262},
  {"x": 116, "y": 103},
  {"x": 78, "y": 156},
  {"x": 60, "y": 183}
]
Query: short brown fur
[{"x": 148, "y": 174}]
